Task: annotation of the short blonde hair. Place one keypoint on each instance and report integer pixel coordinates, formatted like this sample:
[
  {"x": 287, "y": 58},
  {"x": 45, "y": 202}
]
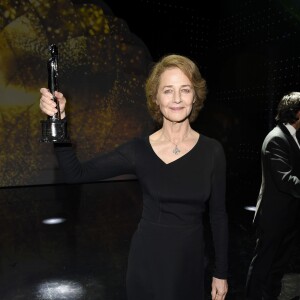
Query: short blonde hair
[{"x": 190, "y": 69}]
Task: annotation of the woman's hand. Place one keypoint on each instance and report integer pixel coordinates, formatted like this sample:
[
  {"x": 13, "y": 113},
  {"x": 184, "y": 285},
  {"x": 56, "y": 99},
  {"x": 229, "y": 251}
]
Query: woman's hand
[
  {"x": 48, "y": 106},
  {"x": 219, "y": 288}
]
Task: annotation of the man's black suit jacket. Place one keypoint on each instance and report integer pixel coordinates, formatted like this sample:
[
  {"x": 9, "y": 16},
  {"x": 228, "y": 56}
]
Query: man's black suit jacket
[{"x": 278, "y": 205}]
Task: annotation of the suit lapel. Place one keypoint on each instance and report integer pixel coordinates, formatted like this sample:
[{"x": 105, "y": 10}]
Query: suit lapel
[{"x": 290, "y": 137}]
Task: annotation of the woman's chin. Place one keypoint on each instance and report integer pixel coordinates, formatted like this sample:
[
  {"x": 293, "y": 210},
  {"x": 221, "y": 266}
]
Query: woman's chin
[{"x": 176, "y": 120}]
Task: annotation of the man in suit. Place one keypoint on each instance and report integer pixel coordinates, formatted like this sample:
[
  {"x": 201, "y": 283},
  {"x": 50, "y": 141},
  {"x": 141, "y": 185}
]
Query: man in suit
[{"x": 278, "y": 205}]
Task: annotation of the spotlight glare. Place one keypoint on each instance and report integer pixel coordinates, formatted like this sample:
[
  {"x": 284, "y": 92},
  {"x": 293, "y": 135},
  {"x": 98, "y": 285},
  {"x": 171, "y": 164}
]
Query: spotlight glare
[
  {"x": 249, "y": 208},
  {"x": 60, "y": 289},
  {"x": 54, "y": 221}
]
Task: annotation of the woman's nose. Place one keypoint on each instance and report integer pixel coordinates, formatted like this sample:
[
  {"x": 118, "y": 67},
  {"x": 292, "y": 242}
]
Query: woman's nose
[{"x": 177, "y": 98}]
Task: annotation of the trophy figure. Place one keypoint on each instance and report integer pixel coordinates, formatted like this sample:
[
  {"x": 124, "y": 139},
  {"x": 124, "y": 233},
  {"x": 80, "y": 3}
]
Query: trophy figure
[{"x": 54, "y": 129}]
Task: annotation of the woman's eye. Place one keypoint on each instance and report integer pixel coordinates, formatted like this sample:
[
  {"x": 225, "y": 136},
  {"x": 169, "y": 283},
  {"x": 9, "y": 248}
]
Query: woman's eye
[
  {"x": 167, "y": 91},
  {"x": 185, "y": 91}
]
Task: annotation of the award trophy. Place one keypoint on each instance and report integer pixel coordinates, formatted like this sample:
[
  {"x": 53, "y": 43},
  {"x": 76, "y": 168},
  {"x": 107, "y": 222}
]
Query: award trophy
[{"x": 54, "y": 129}]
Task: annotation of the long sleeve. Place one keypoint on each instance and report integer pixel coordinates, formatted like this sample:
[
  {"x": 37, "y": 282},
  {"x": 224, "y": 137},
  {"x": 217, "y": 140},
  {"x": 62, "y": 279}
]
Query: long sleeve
[{"x": 117, "y": 162}]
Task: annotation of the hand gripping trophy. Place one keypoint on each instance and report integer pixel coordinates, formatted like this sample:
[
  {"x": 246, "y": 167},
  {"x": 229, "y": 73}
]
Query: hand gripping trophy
[{"x": 54, "y": 129}]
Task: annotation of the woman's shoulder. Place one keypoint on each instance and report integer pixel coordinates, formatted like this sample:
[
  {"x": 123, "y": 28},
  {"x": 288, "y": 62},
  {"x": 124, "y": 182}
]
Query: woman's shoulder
[
  {"x": 210, "y": 141},
  {"x": 213, "y": 147},
  {"x": 133, "y": 143}
]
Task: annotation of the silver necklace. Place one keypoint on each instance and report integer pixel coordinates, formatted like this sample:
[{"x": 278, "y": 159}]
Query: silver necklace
[{"x": 176, "y": 150}]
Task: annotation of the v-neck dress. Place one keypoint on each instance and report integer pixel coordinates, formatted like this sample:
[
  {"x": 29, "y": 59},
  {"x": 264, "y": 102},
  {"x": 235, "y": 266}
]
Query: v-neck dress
[{"x": 166, "y": 257}]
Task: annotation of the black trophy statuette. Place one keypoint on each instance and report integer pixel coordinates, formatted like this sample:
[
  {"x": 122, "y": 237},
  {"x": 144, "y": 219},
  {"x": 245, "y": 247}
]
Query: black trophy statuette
[{"x": 54, "y": 129}]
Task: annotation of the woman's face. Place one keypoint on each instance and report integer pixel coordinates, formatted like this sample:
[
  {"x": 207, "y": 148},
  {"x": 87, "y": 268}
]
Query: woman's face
[{"x": 175, "y": 95}]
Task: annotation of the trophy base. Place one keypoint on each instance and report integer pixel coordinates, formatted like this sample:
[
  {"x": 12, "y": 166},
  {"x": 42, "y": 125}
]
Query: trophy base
[{"x": 54, "y": 131}]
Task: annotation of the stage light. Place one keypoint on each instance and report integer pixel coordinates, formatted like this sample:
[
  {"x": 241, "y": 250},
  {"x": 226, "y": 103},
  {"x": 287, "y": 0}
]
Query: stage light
[
  {"x": 60, "y": 289},
  {"x": 249, "y": 208},
  {"x": 54, "y": 221}
]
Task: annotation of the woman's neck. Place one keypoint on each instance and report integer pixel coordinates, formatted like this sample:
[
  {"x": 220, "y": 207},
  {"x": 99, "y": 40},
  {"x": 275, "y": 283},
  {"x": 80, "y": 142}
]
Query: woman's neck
[{"x": 176, "y": 132}]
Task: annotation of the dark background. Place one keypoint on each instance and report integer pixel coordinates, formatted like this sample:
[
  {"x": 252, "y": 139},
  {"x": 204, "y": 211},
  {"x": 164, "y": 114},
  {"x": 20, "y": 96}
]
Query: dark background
[{"x": 248, "y": 51}]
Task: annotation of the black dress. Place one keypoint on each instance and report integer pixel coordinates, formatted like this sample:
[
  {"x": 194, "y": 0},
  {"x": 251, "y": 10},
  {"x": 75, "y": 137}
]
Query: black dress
[{"x": 166, "y": 258}]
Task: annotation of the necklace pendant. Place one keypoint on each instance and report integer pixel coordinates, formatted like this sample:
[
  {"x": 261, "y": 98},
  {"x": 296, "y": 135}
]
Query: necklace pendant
[{"x": 176, "y": 150}]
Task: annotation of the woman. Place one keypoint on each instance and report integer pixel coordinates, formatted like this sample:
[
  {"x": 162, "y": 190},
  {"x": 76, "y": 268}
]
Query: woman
[{"x": 179, "y": 171}]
